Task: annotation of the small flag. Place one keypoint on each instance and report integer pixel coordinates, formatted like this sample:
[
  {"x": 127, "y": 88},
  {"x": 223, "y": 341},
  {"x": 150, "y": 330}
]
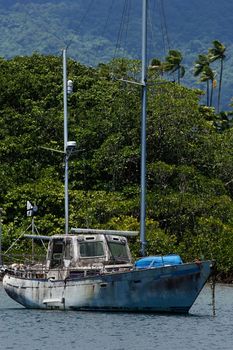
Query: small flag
[{"x": 31, "y": 209}]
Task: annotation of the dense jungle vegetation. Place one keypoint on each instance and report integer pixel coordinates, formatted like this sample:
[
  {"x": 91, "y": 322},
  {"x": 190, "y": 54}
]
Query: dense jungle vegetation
[{"x": 189, "y": 161}]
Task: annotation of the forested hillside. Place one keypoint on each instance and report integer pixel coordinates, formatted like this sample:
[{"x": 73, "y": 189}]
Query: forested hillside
[
  {"x": 98, "y": 30},
  {"x": 190, "y": 158}
]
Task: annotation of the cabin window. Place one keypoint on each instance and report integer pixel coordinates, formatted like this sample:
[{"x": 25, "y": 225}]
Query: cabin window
[
  {"x": 118, "y": 251},
  {"x": 91, "y": 249},
  {"x": 57, "y": 253},
  {"x": 58, "y": 247}
]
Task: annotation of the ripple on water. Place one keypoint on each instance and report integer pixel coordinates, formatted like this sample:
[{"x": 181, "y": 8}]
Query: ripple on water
[{"x": 36, "y": 329}]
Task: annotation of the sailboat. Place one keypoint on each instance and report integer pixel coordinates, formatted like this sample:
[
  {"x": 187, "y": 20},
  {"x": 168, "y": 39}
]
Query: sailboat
[{"x": 92, "y": 269}]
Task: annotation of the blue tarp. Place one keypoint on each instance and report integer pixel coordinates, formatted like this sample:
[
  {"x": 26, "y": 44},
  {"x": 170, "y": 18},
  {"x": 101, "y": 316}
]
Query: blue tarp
[{"x": 158, "y": 261}]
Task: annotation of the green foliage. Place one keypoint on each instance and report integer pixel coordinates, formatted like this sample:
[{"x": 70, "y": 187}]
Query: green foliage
[
  {"x": 173, "y": 64},
  {"x": 207, "y": 74},
  {"x": 213, "y": 241},
  {"x": 202, "y": 62},
  {"x": 159, "y": 242},
  {"x": 217, "y": 51},
  {"x": 190, "y": 187}
]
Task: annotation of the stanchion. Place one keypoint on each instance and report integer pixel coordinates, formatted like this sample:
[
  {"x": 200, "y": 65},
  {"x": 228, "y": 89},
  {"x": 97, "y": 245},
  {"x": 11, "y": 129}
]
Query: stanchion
[{"x": 212, "y": 285}]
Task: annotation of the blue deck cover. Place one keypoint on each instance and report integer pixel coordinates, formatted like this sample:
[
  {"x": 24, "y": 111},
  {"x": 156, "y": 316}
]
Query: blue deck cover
[{"x": 158, "y": 261}]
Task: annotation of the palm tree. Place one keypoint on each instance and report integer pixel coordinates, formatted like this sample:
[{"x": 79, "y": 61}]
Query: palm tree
[
  {"x": 173, "y": 64},
  {"x": 217, "y": 52},
  {"x": 200, "y": 65},
  {"x": 157, "y": 66},
  {"x": 207, "y": 75}
]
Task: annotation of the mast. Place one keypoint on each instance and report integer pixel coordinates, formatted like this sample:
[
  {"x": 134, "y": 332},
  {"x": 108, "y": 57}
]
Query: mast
[
  {"x": 69, "y": 146},
  {"x": 143, "y": 129},
  {"x": 65, "y": 140}
]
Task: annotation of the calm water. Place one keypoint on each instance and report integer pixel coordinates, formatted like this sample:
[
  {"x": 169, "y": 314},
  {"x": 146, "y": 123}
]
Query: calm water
[{"x": 45, "y": 330}]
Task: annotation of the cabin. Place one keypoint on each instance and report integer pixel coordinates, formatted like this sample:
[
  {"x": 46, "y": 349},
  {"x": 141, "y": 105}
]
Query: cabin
[
  {"x": 87, "y": 253},
  {"x": 82, "y": 253}
]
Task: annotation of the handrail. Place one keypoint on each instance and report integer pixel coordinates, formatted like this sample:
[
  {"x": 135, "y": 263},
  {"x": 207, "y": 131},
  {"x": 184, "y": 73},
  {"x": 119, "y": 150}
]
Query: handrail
[{"x": 104, "y": 232}]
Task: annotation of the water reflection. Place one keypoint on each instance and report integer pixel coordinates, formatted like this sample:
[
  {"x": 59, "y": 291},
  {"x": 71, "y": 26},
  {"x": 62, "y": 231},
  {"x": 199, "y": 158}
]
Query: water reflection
[{"x": 35, "y": 329}]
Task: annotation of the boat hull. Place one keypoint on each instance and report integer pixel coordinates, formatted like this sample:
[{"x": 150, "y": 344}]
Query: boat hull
[{"x": 171, "y": 289}]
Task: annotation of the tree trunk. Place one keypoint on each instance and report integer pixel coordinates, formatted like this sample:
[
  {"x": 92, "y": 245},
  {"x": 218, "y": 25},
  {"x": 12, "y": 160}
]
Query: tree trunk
[{"x": 220, "y": 86}]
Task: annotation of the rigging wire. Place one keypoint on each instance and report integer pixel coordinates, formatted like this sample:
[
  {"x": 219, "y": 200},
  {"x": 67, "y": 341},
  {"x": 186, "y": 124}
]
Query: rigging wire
[
  {"x": 89, "y": 6},
  {"x": 151, "y": 10},
  {"x": 60, "y": 38},
  {"x": 106, "y": 23},
  {"x": 121, "y": 28},
  {"x": 47, "y": 26},
  {"x": 165, "y": 24},
  {"x": 161, "y": 27},
  {"x": 107, "y": 17},
  {"x": 83, "y": 18},
  {"x": 126, "y": 23},
  {"x": 164, "y": 30}
]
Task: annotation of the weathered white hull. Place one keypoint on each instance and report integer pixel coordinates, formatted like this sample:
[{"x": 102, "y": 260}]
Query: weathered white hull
[{"x": 164, "y": 289}]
